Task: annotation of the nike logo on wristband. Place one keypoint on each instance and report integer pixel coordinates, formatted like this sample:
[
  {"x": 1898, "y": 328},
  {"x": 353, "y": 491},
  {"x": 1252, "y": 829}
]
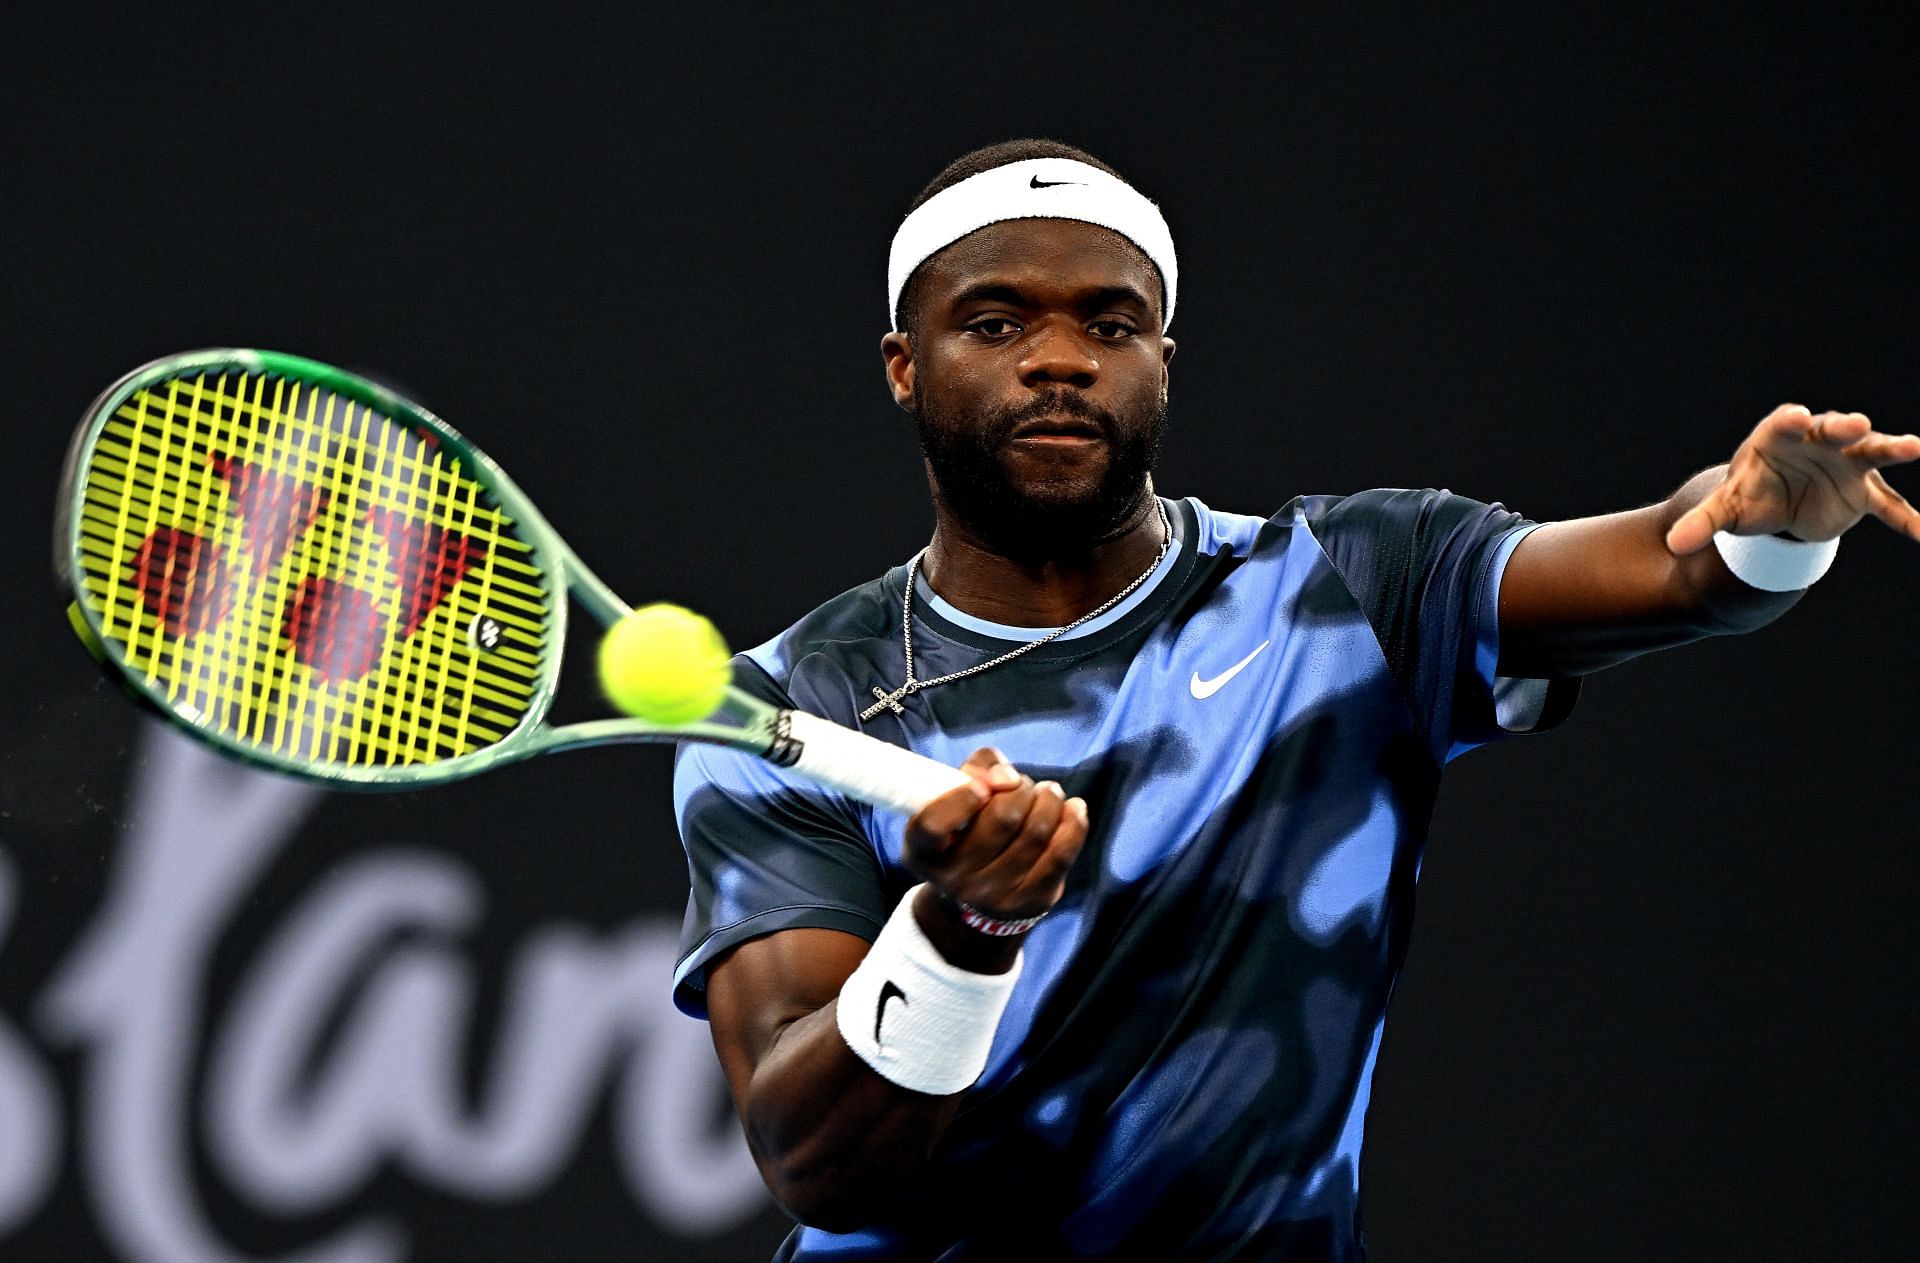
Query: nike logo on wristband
[{"x": 888, "y": 991}]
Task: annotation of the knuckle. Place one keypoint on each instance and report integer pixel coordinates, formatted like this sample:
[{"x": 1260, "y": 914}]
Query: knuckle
[
  {"x": 921, "y": 850},
  {"x": 1040, "y": 826},
  {"x": 1053, "y": 870},
  {"x": 1042, "y": 814},
  {"x": 931, "y": 868},
  {"x": 1008, "y": 811},
  {"x": 929, "y": 825}
]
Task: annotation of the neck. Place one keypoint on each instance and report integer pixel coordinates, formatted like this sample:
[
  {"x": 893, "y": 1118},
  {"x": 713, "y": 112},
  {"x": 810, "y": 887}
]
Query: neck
[{"x": 1041, "y": 591}]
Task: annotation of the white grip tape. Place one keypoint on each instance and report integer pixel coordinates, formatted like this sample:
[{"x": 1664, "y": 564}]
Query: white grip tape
[
  {"x": 867, "y": 768},
  {"x": 1773, "y": 564},
  {"x": 918, "y": 1020}
]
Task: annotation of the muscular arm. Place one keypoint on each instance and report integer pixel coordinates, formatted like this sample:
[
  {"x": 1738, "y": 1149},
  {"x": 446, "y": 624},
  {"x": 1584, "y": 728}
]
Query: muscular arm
[
  {"x": 1579, "y": 596},
  {"x": 834, "y": 1140},
  {"x": 831, "y": 1137},
  {"x": 1582, "y": 595}
]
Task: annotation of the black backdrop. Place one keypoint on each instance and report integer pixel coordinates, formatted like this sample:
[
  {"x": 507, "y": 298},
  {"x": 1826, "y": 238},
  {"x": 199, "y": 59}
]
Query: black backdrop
[{"x": 1659, "y": 1000}]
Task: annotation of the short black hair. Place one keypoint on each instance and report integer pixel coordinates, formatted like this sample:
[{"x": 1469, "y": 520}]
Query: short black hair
[{"x": 986, "y": 158}]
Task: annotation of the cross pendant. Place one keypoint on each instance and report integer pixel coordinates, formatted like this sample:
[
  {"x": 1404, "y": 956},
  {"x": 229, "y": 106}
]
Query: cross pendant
[{"x": 888, "y": 701}]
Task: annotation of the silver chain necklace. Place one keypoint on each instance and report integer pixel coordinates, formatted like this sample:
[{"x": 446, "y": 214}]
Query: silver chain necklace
[{"x": 891, "y": 701}]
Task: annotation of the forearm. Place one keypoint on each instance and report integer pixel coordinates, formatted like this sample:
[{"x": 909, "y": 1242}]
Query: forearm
[
  {"x": 848, "y": 1058},
  {"x": 1583, "y": 595},
  {"x": 834, "y": 1138}
]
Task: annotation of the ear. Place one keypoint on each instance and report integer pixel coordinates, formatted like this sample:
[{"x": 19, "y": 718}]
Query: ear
[
  {"x": 897, "y": 350},
  {"x": 1166, "y": 365}
]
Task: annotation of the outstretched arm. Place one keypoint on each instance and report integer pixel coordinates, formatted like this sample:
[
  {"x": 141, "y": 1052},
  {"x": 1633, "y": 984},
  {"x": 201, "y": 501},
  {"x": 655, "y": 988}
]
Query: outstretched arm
[{"x": 1586, "y": 594}]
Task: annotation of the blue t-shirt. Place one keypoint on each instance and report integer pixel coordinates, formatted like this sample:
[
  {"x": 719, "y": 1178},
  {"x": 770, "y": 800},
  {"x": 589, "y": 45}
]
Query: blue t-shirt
[{"x": 1183, "y": 1069}]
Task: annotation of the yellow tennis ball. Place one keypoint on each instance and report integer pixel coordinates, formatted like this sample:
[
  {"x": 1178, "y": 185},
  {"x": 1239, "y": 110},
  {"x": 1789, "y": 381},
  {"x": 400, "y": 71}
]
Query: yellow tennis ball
[{"x": 665, "y": 664}]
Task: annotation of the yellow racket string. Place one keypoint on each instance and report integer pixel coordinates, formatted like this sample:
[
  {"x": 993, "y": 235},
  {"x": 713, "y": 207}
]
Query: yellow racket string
[
  {"x": 405, "y": 654},
  {"x": 465, "y": 717},
  {"x": 307, "y": 575},
  {"x": 353, "y": 732},
  {"x": 192, "y": 584}
]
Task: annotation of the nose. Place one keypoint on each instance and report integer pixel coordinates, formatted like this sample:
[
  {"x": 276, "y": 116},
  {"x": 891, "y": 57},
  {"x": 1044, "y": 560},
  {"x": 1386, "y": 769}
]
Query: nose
[{"x": 1057, "y": 352}]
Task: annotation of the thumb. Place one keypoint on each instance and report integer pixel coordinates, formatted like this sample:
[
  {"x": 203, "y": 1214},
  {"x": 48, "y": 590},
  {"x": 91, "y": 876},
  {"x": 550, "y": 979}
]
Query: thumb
[
  {"x": 989, "y": 765},
  {"x": 1697, "y": 525}
]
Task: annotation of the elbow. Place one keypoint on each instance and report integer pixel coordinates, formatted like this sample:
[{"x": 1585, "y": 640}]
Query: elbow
[
  {"x": 824, "y": 1183},
  {"x": 828, "y": 1216},
  {"x": 821, "y": 1199}
]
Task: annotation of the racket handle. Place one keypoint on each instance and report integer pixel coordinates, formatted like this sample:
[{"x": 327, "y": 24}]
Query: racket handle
[{"x": 865, "y": 767}]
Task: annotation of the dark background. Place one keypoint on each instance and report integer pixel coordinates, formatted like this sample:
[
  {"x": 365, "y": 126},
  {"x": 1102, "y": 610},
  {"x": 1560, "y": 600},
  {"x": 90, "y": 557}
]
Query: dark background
[{"x": 1659, "y": 1004}]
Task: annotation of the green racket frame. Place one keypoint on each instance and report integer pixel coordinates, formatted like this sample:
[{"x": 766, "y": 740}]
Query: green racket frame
[{"x": 753, "y": 724}]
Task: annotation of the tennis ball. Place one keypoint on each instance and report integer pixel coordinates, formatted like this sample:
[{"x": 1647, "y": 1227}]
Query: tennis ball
[{"x": 665, "y": 664}]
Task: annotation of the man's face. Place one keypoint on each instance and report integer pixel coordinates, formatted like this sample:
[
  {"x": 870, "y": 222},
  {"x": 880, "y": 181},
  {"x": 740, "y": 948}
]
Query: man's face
[{"x": 1038, "y": 375}]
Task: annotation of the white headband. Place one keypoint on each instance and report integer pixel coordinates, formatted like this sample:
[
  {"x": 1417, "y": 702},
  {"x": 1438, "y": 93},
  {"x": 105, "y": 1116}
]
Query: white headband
[{"x": 1035, "y": 188}]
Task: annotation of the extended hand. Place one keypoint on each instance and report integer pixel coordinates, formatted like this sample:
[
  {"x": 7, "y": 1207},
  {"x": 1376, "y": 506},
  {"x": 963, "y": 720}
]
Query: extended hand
[{"x": 1810, "y": 476}]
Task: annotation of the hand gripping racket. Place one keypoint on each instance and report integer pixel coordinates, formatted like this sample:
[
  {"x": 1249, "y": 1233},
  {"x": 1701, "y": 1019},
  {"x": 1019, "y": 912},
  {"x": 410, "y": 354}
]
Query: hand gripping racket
[{"x": 307, "y": 571}]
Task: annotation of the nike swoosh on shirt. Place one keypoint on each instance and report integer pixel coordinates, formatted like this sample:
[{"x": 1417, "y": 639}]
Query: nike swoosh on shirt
[{"x": 1207, "y": 688}]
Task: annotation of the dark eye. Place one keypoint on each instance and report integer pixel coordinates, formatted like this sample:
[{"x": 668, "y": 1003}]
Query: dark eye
[
  {"x": 993, "y": 327},
  {"x": 1113, "y": 329}
]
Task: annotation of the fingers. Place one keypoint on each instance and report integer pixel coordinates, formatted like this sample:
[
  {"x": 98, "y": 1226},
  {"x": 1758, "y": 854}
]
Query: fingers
[
  {"x": 989, "y": 765},
  {"x": 1891, "y": 507},
  {"x": 1849, "y": 432},
  {"x": 975, "y": 815},
  {"x": 1030, "y": 875},
  {"x": 1789, "y": 418},
  {"x": 999, "y": 842},
  {"x": 1030, "y": 835},
  {"x": 1804, "y": 472},
  {"x": 1047, "y": 877},
  {"x": 936, "y": 827},
  {"x": 1005, "y": 820},
  {"x": 1876, "y": 451},
  {"x": 1837, "y": 429}
]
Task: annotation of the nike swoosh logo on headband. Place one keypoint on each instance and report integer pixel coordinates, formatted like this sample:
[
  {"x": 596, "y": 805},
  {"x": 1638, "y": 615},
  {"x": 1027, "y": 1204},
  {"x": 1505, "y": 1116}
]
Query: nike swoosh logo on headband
[{"x": 1037, "y": 183}]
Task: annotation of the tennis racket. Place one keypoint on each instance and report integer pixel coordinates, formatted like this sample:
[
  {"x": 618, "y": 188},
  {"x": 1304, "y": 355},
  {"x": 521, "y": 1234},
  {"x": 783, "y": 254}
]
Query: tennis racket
[{"x": 312, "y": 574}]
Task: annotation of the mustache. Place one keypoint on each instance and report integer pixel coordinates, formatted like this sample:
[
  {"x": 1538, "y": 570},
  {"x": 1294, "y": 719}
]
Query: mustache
[{"x": 1063, "y": 401}]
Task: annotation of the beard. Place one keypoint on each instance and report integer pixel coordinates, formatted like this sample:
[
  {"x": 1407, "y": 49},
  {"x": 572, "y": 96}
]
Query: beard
[{"x": 1038, "y": 515}]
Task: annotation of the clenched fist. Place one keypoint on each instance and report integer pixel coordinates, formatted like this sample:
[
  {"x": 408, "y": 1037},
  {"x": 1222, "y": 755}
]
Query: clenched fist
[{"x": 1000, "y": 843}]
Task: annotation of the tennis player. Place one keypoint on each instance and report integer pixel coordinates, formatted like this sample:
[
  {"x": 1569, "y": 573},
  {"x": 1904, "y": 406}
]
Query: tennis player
[{"x": 1121, "y": 997}]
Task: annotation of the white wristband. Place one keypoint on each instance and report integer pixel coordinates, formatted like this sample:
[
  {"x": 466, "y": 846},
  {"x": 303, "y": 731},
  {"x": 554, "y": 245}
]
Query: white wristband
[
  {"x": 918, "y": 1020},
  {"x": 1773, "y": 564}
]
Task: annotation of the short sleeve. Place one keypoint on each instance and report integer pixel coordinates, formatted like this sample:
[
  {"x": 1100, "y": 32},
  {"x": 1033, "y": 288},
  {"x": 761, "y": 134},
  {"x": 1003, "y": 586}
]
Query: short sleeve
[
  {"x": 765, "y": 852},
  {"x": 1425, "y": 567}
]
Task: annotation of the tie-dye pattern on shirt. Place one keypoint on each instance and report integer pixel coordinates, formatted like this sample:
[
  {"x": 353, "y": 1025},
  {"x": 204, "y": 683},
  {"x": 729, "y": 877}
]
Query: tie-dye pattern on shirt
[{"x": 1184, "y": 1068}]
